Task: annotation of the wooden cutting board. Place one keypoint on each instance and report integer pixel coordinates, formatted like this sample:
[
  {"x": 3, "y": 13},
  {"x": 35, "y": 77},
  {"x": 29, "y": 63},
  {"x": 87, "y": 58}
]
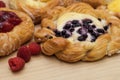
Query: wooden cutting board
[{"x": 49, "y": 68}]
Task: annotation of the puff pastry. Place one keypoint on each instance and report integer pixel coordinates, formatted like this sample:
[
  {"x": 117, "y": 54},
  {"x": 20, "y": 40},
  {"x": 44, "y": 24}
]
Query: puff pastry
[
  {"x": 21, "y": 33},
  {"x": 80, "y": 32},
  {"x": 38, "y": 9}
]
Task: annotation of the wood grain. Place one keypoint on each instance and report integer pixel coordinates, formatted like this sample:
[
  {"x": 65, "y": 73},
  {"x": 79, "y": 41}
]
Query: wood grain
[{"x": 49, "y": 68}]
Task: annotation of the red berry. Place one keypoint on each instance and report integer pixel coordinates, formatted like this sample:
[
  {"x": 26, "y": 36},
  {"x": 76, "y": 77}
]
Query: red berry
[
  {"x": 34, "y": 48},
  {"x": 6, "y": 27},
  {"x": 16, "y": 63},
  {"x": 2, "y": 4},
  {"x": 24, "y": 53}
]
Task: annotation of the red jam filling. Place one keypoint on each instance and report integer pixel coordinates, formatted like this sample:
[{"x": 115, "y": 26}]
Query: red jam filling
[
  {"x": 2, "y": 4},
  {"x": 8, "y": 20}
]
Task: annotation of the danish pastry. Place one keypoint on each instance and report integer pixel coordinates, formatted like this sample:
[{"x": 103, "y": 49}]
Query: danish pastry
[
  {"x": 37, "y": 9},
  {"x": 15, "y": 29},
  {"x": 80, "y": 32}
]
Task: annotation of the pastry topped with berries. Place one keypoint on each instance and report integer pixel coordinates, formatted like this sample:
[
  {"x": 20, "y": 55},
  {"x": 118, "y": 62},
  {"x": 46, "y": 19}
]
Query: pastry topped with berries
[
  {"x": 79, "y": 32},
  {"x": 16, "y": 28}
]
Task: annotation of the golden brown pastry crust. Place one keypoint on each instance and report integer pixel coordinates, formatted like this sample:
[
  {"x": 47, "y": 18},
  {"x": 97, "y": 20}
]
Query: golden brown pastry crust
[
  {"x": 21, "y": 33},
  {"x": 105, "y": 9},
  {"x": 54, "y": 45},
  {"x": 96, "y": 3},
  {"x": 43, "y": 35},
  {"x": 38, "y": 9},
  {"x": 117, "y": 14},
  {"x": 106, "y": 44}
]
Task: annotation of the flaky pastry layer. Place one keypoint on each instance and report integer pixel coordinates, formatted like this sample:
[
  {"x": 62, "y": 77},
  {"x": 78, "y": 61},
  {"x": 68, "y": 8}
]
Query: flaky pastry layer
[
  {"x": 20, "y": 34},
  {"x": 38, "y": 9}
]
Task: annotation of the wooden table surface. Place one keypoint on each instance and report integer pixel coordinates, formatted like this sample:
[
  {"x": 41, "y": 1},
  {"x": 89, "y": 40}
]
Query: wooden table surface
[{"x": 49, "y": 68}]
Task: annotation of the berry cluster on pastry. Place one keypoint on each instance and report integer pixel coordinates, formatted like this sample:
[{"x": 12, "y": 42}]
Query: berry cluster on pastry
[
  {"x": 16, "y": 28},
  {"x": 79, "y": 32}
]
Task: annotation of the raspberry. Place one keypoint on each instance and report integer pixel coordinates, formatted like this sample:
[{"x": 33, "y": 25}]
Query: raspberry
[
  {"x": 2, "y": 4},
  {"x": 16, "y": 63},
  {"x": 24, "y": 53},
  {"x": 34, "y": 48}
]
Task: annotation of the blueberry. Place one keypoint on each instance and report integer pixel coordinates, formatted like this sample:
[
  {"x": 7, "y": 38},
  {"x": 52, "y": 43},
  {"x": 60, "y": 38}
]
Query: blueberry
[
  {"x": 73, "y": 25},
  {"x": 93, "y": 26},
  {"x": 79, "y": 31},
  {"x": 85, "y": 25},
  {"x": 100, "y": 31},
  {"x": 67, "y": 26},
  {"x": 77, "y": 25},
  {"x": 57, "y": 33},
  {"x": 90, "y": 29},
  {"x": 87, "y": 21},
  {"x": 95, "y": 34},
  {"x": 63, "y": 32},
  {"x": 67, "y": 35},
  {"x": 105, "y": 27},
  {"x": 82, "y": 38},
  {"x": 75, "y": 22},
  {"x": 72, "y": 29},
  {"x": 85, "y": 36}
]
